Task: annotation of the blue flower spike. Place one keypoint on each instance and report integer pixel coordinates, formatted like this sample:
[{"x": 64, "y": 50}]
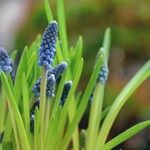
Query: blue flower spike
[
  {"x": 50, "y": 87},
  {"x": 36, "y": 88},
  {"x": 58, "y": 70},
  {"x": 103, "y": 74},
  {"x": 6, "y": 63},
  {"x": 51, "y": 83},
  {"x": 65, "y": 92},
  {"x": 47, "y": 49}
]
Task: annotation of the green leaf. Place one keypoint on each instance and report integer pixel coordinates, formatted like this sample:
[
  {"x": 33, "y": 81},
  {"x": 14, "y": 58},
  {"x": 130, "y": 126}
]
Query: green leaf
[
  {"x": 62, "y": 28},
  {"x": 13, "y": 106},
  {"x": 26, "y": 104},
  {"x": 36, "y": 128},
  {"x": 22, "y": 67},
  {"x": 133, "y": 84},
  {"x": 59, "y": 93},
  {"x": 52, "y": 129},
  {"x": 105, "y": 112},
  {"x": 82, "y": 106},
  {"x": 14, "y": 54},
  {"x": 63, "y": 115},
  {"x": 106, "y": 44},
  {"x": 78, "y": 54},
  {"x": 48, "y": 11},
  {"x": 126, "y": 135},
  {"x": 50, "y": 18},
  {"x": 31, "y": 63}
]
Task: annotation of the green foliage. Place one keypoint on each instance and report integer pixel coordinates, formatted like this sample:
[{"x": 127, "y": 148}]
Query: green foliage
[{"x": 57, "y": 127}]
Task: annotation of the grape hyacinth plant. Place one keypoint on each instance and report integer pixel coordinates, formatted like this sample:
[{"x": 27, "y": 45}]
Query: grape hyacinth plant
[{"x": 41, "y": 106}]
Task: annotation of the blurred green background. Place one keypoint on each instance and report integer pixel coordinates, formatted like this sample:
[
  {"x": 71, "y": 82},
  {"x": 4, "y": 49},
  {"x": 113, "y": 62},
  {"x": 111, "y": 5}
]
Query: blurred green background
[{"x": 129, "y": 21}]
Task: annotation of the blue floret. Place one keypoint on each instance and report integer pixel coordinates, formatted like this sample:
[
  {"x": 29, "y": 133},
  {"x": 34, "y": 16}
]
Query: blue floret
[
  {"x": 103, "y": 74},
  {"x": 6, "y": 64},
  {"x": 65, "y": 92},
  {"x": 58, "y": 70},
  {"x": 50, "y": 87},
  {"x": 47, "y": 49},
  {"x": 51, "y": 83}
]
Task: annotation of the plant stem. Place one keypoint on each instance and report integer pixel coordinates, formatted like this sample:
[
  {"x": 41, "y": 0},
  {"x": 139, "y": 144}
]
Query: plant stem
[
  {"x": 14, "y": 127},
  {"x": 47, "y": 114},
  {"x": 95, "y": 115},
  {"x": 42, "y": 105},
  {"x": 135, "y": 82}
]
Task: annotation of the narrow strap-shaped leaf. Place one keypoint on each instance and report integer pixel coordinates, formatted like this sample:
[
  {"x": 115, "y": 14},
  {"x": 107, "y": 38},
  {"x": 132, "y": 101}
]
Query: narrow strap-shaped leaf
[
  {"x": 17, "y": 115},
  {"x": 22, "y": 67},
  {"x": 105, "y": 112},
  {"x": 125, "y": 135},
  {"x": 14, "y": 54},
  {"x": 26, "y": 104},
  {"x": 134, "y": 83},
  {"x": 52, "y": 129},
  {"x": 62, "y": 28},
  {"x": 82, "y": 106},
  {"x": 31, "y": 62},
  {"x": 78, "y": 54},
  {"x": 48, "y": 11},
  {"x": 59, "y": 93},
  {"x": 106, "y": 44},
  {"x": 63, "y": 115},
  {"x": 50, "y": 18},
  {"x": 36, "y": 129},
  {"x": 98, "y": 97}
]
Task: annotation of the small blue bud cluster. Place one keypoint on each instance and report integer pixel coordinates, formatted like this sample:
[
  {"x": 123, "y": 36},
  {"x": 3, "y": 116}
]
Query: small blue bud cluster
[
  {"x": 65, "y": 92},
  {"x": 58, "y": 70},
  {"x": 32, "y": 115},
  {"x": 102, "y": 78},
  {"x": 47, "y": 49},
  {"x": 53, "y": 76},
  {"x": 36, "y": 88},
  {"x": 50, "y": 87},
  {"x": 103, "y": 74},
  {"x": 1, "y": 136},
  {"x": 5, "y": 61}
]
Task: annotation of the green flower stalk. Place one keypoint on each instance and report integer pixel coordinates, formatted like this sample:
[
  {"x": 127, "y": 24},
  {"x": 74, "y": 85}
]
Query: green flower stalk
[{"x": 47, "y": 53}]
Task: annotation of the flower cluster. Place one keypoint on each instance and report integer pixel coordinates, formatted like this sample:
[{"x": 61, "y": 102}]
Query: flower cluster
[
  {"x": 47, "y": 49},
  {"x": 103, "y": 74},
  {"x": 52, "y": 77},
  {"x": 58, "y": 70},
  {"x": 6, "y": 64},
  {"x": 65, "y": 92},
  {"x": 50, "y": 87},
  {"x": 102, "y": 78},
  {"x": 47, "y": 53}
]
